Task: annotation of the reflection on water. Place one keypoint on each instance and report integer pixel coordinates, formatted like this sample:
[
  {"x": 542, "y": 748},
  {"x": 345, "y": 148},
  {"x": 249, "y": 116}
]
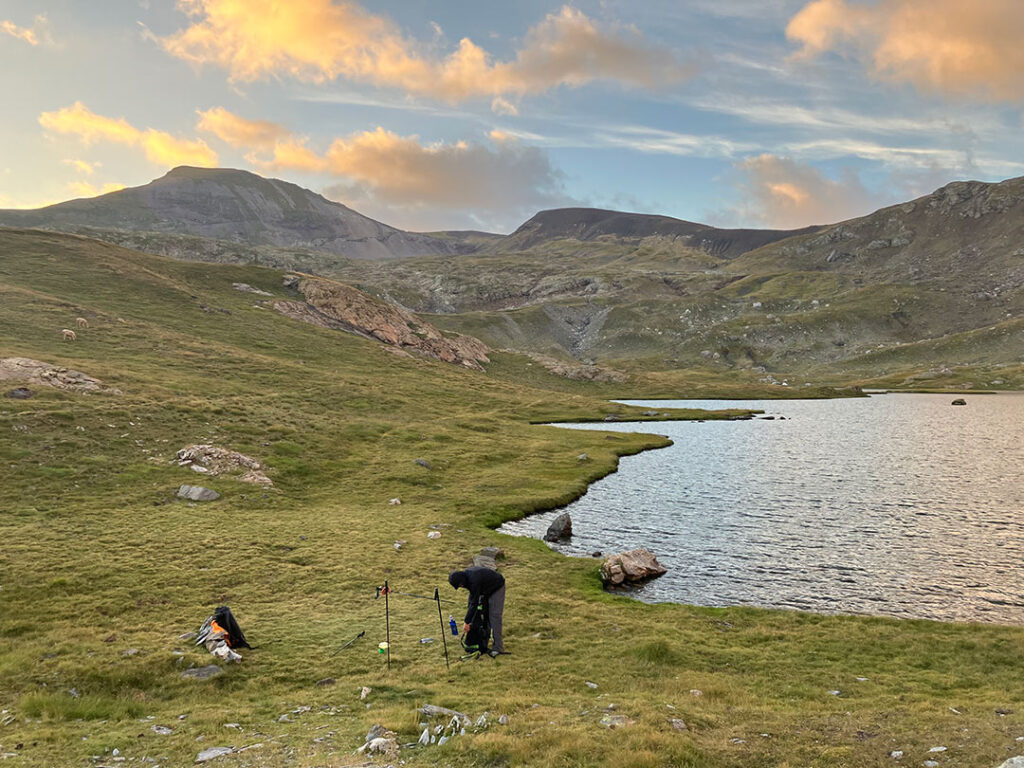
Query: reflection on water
[{"x": 898, "y": 504}]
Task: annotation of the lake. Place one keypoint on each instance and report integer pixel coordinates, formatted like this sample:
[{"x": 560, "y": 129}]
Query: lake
[{"x": 900, "y": 505}]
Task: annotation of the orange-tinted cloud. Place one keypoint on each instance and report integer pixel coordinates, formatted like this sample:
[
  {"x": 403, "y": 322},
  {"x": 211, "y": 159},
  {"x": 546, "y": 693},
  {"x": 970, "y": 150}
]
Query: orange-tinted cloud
[
  {"x": 783, "y": 193},
  {"x": 86, "y": 189},
  {"x": 320, "y": 40},
  {"x": 82, "y": 166},
  {"x": 946, "y": 46},
  {"x": 238, "y": 131},
  {"x": 29, "y": 34},
  {"x": 161, "y": 148}
]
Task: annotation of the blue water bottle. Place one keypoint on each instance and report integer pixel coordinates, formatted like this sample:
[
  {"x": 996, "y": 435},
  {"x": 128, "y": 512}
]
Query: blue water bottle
[{"x": 451, "y": 623}]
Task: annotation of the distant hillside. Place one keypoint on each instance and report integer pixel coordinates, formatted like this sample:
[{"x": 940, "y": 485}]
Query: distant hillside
[
  {"x": 235, "y": 207},
  {"x": 592, "y": 223}
]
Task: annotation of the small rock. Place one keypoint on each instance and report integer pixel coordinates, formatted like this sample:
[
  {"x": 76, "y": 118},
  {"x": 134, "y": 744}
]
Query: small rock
[
  {"x": 896, "y": 754},
  {"x": 363, "y": 693},
  {"x": 931, "y": 764},
  {"x": 284, "y": 719},
  {"x": 596, "y": 553},
  {"x": 1014, "y": 762},
  {"x": 19, "y": 393},
  {"x": 235, "y": 726},
  {"x": 611, "y": 417},
  {"x": 202, "y": 673},
  {"x": 197, "y": 493},
  {"x": 434, "y": 535},
  {"x": 130, "y": 652},
  {"x": 590, "y": 684},
  {"x": 399, "y": 544},
  {"x": 615, "y": 721},
  {"x": 326, "y": 681},
  {"x": 480, "y": 561},
  {"x": 495, "y": 553},
  {"x": 503, "y": 720},
  {"x": 583, "y": 457},
  {"x": 937, "y": 749},
  {"x": 423, "y": 463},
  {"x": 395, "y": 501},
  {"x": 212, "y": 752},
  {"x": 834, "y": 693},
  {"x": 424, "y": 739},
  {"x": 677, "y": 724},
  {"x": 560, "y": 528},
  {"x": 162, "y": 730},
  {"x": 959, "y": 401},
  {"x": 695, "y": 692}
]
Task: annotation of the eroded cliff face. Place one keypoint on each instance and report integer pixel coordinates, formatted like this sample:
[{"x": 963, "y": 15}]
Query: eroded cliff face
[{"x": 330, "y": 304}]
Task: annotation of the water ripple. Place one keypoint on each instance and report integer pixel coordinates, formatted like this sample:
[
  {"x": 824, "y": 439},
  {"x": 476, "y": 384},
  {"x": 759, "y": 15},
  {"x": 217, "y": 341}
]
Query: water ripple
[{"x": 897, "y": 505}]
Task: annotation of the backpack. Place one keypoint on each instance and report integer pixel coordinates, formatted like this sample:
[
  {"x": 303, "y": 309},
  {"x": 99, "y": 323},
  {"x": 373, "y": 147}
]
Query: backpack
[
  {"x": 475, "y": 641},
  {"x": 226, "y": 621}
]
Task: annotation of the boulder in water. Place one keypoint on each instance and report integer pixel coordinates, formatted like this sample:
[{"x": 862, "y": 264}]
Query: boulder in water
[
  {"x": 959, "y": 401},
  {"x": 560, "y": 528},
  {"x": 632, "y": 567}
]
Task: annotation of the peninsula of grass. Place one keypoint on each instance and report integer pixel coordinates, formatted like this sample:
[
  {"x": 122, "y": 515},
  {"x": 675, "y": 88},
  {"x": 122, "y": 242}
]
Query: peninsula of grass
[{"x": 102, "y": 569}]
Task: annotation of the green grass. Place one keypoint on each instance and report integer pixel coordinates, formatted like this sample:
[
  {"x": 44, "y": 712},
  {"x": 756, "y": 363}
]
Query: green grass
[{"x": 102, "y": 569}]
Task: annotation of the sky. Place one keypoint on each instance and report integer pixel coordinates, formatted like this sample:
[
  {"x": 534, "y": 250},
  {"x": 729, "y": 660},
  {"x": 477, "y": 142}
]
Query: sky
[{"x": 452, "y": 114}]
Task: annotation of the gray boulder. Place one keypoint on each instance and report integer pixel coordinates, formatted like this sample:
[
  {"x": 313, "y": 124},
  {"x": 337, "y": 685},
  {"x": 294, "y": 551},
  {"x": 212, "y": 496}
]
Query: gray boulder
[
  {"x": 202, "y": 673},
  {"x": 495, "y": 553},
  {"x": 632, "y": 567},
  {"x": 213, "y": 752},
  {"x": 482, "y": 561},
  {"x": 560, "y": 528},
  {"x": 20, "y": 393},
  {"x": 1014, "y": 762},
  {"x": 197, "y": 493}
]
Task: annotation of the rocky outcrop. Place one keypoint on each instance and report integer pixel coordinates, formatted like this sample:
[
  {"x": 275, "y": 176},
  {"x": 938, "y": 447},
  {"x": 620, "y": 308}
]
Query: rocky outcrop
[
  {"x": 579, "y": 372},
  {"x": 335, "y": 305},
  {"x": 632, "y": 567},
  {"x": 38, "y": 372},
  {"x": 560, "y": 528},
  {"x": 214, "y": 460}
]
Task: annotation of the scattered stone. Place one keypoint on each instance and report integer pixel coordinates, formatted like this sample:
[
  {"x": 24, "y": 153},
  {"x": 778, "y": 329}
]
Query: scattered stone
[
  {"x": 430, "y": 710},
  {"x": 896, "y": 754},
  {"x": 834, "y": 693},
  {"x": 213, "y": 460},
  {"x": 1014, "y": 762},
  {"x": 503, "y": 720},
  {"x": 495, "y": 553},
  {"x": 284, "y": 719},
  {"x": 611, "y": 417},
  {"x": 931, "y": 764},
  {"x": 1004, "y": 712},
  {"x": 959, "y": 401},
  {"x": 197, "y": 493},
  {"x": 480, "y": 561},
  {"x": 590, "y": 684},
  {"x": 19, "y": 393},
  {"x": 324, "y": 682},
  {"x": 424, "y": 739},
  {"x": 423, "y": 463},
  {"x": 130, "y": 652},
  {"x": 363, "y": 693},
  {"x": 234, "y": 726},
  {"x": 615, "y": 721},
  {"x": 213, "y": 752},
  {"x": 162, "y": 730},
  {"x": 560, "y": 528},
  {"x": 937, "y": 749},
  {"x": 677, "y": 724},
  {"x": 202, "y": 673},
  {"x": 434, "y": 535},
  {"x": 634, "y": 566},
  {"x": 44, "y": 374},
  {"x": 695, "y": 692},
  {"x": 380, "y": 741},
  {"x": 583, "y": 457},
  {"x": 245, "y": 287},
  {"x": 395, "y": 501},
  {"x": 596, "y": 553}
]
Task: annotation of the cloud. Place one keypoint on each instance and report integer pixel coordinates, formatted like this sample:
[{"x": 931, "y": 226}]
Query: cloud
[
  {"x": 783, "y": 193},
  {"x": 31, "y": 34},
  {"x": 86, "y": 189},
  {"x": 321, "y": 40},
  {"x": 950, "y": 47},
  {"x": 161, "y": 148},
  {"x": 82, "y": 166},
  {"x": 237, "y": 131}
]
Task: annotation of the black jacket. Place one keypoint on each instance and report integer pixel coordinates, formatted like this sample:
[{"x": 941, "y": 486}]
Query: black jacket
[{"x": 481, "y": 583}]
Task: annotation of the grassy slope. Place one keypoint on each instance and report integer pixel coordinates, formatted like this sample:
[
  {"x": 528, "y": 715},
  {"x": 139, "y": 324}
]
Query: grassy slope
[{"x": 97, "y": 559}]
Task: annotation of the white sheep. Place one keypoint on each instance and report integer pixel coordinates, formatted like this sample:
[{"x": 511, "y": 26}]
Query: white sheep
[{"x": 67, "y": 334}]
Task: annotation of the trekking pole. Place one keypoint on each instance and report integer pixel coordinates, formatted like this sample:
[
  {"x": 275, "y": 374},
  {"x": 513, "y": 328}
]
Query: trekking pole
[
  {"x": 387, "y": 622},
  {"x": 346, "y": 645},
  {"x": 440, "y": 618}
]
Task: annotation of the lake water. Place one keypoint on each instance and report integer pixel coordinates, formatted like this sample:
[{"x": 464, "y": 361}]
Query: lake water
[{"x": 898, "y": 505}]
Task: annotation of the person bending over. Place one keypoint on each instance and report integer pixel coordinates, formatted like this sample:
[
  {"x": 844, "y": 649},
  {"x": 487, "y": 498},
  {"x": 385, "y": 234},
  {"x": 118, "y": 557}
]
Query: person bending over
[{"x": 489, "y": 585}]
